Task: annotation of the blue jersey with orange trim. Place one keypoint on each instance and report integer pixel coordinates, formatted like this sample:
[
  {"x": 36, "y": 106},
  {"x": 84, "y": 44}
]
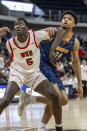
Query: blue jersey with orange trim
[{"x": 63, "y": 50}]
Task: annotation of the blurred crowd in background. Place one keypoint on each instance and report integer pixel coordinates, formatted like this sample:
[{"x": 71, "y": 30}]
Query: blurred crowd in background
[{"x": 4, "y": 58}]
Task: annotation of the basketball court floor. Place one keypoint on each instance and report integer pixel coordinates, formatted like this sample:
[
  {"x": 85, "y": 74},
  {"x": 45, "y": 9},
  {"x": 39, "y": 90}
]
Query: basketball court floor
[{"x": 74, "y": 117}]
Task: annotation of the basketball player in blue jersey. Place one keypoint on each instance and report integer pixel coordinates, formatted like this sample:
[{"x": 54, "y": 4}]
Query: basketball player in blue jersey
[{"x": 67, "y": 47}]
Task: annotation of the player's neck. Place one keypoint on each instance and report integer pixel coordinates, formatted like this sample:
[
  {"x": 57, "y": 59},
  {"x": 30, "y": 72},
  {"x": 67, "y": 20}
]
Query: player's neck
[
  {"x": 69, "y": 30},
  {"x": 22, "y": 37},
  {"x": 68, "y": 34}
]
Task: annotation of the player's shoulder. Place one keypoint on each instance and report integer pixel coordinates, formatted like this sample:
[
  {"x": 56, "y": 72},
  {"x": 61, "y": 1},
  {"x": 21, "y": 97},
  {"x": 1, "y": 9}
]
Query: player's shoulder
[
  {"x": 77, "y": 40},
  {"x": 31, "y": 32},
  {"x": 77, "y": 43}
]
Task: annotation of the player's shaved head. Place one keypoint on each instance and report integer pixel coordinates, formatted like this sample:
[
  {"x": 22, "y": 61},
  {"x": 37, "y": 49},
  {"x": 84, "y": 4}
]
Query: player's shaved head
[{"x": 22, "y": 19}]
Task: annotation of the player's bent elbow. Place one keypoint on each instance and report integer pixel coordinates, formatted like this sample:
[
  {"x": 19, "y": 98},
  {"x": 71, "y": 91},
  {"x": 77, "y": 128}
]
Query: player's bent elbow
[{"x": 65, "y": 101}]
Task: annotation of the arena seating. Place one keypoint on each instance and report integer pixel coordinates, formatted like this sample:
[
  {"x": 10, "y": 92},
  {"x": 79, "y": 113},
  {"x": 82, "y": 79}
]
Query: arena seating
[{"x": 76, "y": 5}]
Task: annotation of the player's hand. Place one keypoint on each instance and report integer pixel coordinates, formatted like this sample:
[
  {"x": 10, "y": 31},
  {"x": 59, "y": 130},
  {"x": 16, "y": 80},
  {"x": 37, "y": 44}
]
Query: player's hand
[
  {"x": 80, "y": 91},
  {"x": 51, "y": 31},
  {"x": 4, "y": 29}
]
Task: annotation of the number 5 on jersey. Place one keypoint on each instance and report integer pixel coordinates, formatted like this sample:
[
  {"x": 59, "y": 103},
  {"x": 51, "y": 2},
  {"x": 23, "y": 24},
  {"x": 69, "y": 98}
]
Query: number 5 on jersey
[{"x": 29, "y": 61}]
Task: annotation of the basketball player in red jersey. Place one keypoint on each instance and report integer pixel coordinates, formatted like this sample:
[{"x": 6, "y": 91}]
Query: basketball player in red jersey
[{"x": 24, "y": 69}]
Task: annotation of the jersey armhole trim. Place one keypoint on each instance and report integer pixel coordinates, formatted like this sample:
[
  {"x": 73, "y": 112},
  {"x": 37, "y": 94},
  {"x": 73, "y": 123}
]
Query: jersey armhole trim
[
  {"x": 38, "y": 46},
  {"x": 12, "y": 54}
]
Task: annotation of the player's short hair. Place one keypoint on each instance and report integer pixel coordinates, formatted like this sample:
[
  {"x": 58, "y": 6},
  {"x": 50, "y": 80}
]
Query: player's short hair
[
  {"x": 24, "y": 20},
  {"x": 71, "y": 12}
]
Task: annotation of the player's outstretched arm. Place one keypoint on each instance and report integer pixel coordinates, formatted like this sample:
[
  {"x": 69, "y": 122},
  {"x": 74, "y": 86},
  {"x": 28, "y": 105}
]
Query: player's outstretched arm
[
  {"x": 44, "y": 34},
  {"x": 59, "y": 36},
  {"x": 76, "y": 67},
  {"x": 4, "y": 29},
  {"x": 51, "y": 31}
]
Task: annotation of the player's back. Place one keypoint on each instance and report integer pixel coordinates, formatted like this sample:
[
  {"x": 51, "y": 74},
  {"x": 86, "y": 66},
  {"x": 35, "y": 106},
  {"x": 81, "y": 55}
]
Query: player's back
[
  {"x": 44, "y": 51},
  {"x": 45, "y": 64}
]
